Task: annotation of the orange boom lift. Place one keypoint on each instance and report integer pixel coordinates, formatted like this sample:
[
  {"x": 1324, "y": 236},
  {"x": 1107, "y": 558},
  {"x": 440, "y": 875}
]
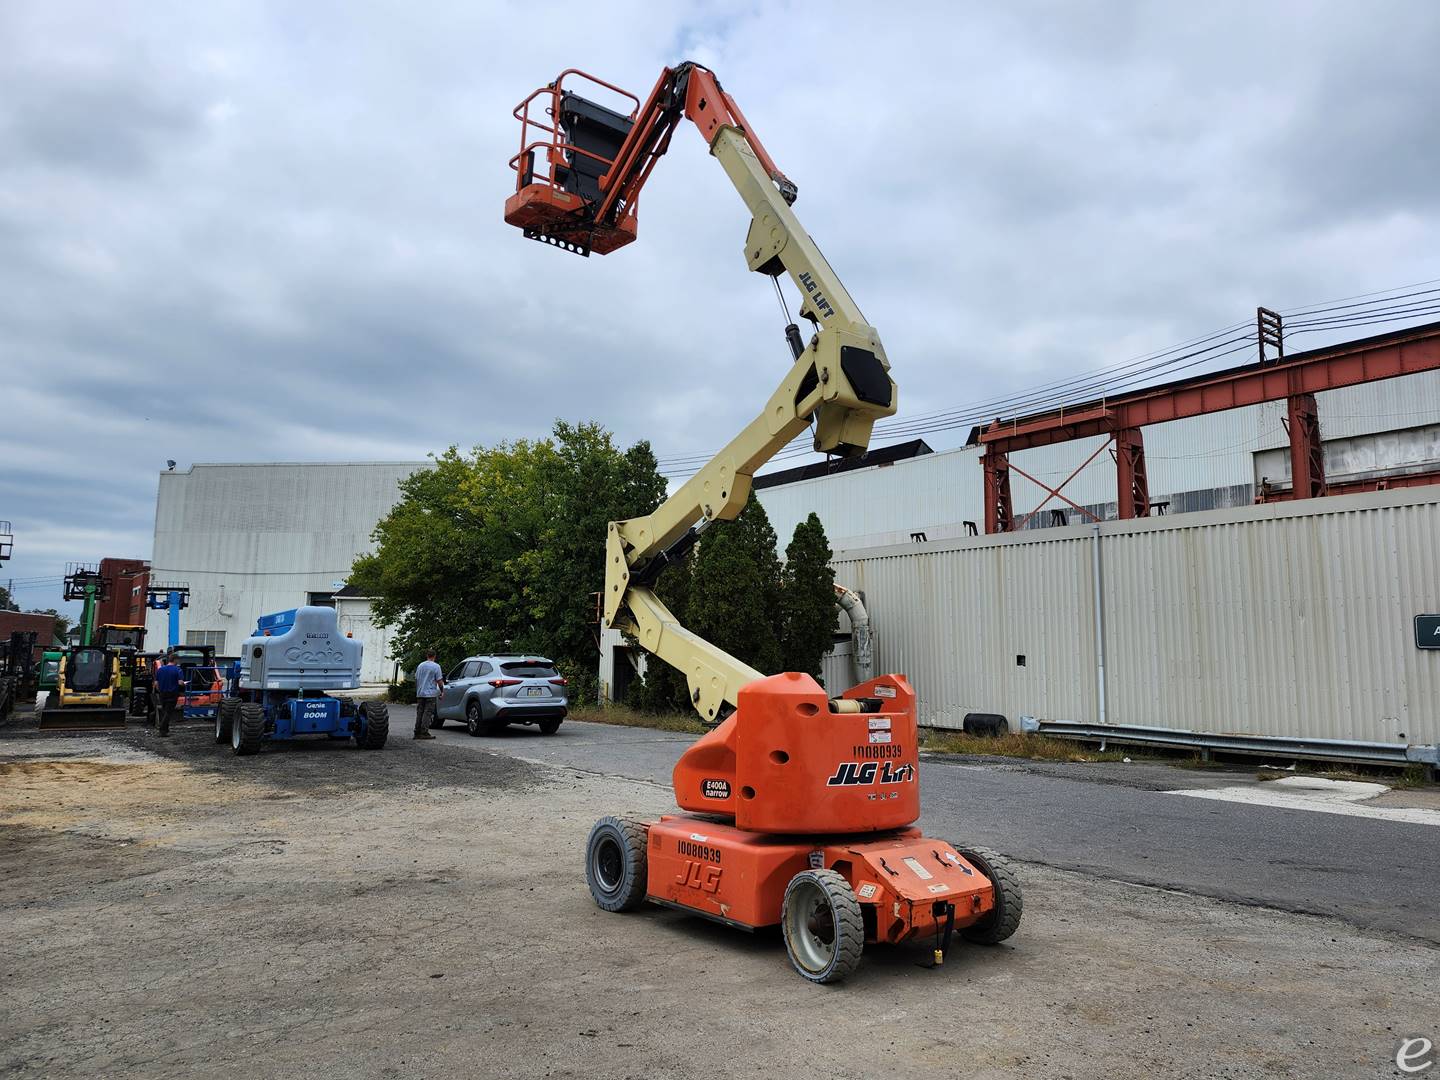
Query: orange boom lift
[{"x": 799, "y": 807}]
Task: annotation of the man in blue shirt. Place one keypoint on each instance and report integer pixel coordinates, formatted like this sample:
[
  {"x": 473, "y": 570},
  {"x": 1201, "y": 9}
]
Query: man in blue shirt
[
  {"x": 168, "y": 678},
  {"x": 429, "y": 682}
]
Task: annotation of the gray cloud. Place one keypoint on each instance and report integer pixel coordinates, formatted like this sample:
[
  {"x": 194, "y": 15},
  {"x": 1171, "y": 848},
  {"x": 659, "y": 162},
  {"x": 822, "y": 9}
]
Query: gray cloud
[{"x": 249, "y": 232}]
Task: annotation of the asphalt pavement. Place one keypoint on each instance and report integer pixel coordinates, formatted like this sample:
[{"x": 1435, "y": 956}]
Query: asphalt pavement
[{"x": 1111, "y": 820}]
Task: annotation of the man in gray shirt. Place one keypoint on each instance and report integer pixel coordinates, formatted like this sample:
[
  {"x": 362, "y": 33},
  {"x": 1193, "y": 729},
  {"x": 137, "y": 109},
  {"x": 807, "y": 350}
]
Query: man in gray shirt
[{"x": 429, "y": 681}]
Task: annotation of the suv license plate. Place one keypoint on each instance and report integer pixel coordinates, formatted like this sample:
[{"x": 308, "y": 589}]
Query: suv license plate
[{"x": 534, "y": 691}]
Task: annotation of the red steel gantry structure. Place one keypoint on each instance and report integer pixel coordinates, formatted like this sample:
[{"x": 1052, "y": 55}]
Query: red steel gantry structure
[{"x": 1296, "y": 379}]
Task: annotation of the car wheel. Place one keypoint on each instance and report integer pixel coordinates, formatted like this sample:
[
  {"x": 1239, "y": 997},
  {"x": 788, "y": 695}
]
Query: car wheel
[
  {"x": 549, "y": 727},
  {"x": 474, "y": 722}
]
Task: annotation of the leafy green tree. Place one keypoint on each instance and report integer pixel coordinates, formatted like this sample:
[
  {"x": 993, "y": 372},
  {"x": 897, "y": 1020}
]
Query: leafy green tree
[
  {"x": 7, "y": 602},
  {"x": 504, "y": 548},
  {"x": 807, "y": 598},
  {"x": 734, "y": 595}
]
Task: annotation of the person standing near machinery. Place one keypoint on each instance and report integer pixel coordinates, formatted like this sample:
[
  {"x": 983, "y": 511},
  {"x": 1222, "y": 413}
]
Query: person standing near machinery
[
  {"x": 429, "y": 682},
  {"x": 168, "y": 683}
]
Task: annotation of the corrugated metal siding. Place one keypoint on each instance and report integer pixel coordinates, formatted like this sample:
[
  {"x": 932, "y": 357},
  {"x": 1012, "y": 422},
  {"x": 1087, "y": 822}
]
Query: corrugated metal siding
[
  {"x": 935, "y": 619},
  {"x": 1291, "y": 620},
  {"x": 935, "y": 493}
]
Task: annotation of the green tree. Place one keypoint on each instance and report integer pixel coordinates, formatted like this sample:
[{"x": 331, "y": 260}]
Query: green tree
[
  {"x": 734, "y": 594},
  {"x": 504, "y": 548},
  {"x": 7, "y": 602},
  {"x": 807, "y": 599}
]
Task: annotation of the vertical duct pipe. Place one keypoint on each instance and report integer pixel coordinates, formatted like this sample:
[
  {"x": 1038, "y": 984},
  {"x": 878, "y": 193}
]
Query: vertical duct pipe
[{"x": 862, "y": 655}]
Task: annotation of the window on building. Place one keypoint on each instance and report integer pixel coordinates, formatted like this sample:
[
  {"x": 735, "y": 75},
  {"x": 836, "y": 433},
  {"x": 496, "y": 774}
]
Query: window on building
[
  {"x": 321, "y": 599},
  {"x": 207, "y": 637}
]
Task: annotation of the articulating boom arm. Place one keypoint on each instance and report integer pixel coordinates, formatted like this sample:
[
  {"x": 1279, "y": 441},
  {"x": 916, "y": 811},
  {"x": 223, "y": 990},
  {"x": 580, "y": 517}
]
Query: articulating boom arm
[{"x": 840, "y": 380}]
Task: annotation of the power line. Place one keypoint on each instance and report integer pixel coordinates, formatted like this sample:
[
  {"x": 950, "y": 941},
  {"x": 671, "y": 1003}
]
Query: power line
[{"x": 1363, "y": 309}]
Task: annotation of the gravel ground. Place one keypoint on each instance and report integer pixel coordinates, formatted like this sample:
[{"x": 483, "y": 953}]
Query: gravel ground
[{"x": 319, "y": 911}]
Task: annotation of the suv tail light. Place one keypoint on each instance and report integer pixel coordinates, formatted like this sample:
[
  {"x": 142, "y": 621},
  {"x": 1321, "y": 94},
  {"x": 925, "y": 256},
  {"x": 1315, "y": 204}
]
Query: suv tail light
[
  {"x": 504, "y": 682},
  {"x": 559, "y": 681}
]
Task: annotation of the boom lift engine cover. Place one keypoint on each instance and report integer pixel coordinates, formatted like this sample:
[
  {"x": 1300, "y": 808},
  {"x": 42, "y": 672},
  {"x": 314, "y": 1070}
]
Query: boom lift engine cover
[{"x": 799, "y": 806}]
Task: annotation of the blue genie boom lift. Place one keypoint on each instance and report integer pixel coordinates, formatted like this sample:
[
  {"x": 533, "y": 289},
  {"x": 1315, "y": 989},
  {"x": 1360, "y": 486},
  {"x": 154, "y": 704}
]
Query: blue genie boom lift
[{"x": 278, "y": 687}]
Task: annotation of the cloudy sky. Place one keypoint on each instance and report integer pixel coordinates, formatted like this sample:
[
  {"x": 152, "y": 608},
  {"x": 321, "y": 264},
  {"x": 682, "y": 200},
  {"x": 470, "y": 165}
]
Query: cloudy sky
[{"x": 272, "y": 231}]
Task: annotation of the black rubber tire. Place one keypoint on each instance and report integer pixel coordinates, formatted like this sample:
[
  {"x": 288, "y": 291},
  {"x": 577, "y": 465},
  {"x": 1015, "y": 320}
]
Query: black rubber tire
[
  {"x": 985, "y": 725},
  {"x": 436, "y": 722},
  {"x": 615, "y": 863},
  {"x": 225, "y": 719},
  {"x": 1004, "y": 918},
  {"x": 475, "y": 722},
  {"x": 376, "y": 715},
  {"x": 550, "y": 727},
  {"x": 249, "y": 730},
  {"x": 847, "y": 922}
]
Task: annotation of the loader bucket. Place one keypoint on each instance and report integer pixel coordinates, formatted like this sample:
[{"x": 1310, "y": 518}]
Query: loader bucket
[{"x": 83, "y": 718}]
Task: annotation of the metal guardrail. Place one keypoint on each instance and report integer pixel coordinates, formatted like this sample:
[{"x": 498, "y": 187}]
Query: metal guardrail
[{"x": 1369, "y": 753}]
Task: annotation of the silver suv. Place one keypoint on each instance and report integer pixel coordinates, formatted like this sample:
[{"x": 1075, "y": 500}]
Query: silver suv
[{"x": 488, "y": 692}]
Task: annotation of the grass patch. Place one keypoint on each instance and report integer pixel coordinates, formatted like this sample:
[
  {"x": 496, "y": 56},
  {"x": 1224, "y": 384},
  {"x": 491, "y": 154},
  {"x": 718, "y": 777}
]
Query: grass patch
[
  {"x": 1035, "y": 747},
  {"x": 624, "y": 716}
]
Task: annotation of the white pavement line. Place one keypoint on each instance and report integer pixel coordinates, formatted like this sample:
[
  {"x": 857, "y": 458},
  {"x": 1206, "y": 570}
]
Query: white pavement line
[{"x": 1315, "y": 793}]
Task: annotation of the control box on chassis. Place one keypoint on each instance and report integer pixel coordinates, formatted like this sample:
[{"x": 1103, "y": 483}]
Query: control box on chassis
[{"x": 279, "y": 687}]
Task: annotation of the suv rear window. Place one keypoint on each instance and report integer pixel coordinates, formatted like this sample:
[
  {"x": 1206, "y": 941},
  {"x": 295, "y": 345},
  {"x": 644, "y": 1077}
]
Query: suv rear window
[{"x": 528, "y": 669}]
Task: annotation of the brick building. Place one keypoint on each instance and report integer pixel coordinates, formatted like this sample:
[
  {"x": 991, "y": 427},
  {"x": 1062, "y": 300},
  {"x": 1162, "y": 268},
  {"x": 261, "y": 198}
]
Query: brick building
[
  {"x": 127, "y": 579},
  {"x": 43, "y": 627}
]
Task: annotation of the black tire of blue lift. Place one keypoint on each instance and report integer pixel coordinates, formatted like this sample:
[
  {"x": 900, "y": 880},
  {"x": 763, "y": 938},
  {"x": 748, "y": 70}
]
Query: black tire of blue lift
[
  {"x": 550, "y": 727},
  {"x": 225, "y": 719},
  {"x": 615, "y": 864},
  {"x": 1004, "y": 918},
  {"x": 249, "y": 729},
  {"x": 376, "y": 715}
]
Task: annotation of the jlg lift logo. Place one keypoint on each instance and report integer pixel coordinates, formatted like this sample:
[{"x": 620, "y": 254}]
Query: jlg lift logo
[
  {"x": 858, "y": 774},
  {"x": 816, "y": 296}
]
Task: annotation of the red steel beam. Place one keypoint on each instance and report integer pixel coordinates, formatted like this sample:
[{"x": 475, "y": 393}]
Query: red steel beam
[{"x": 1350, "y": 364}]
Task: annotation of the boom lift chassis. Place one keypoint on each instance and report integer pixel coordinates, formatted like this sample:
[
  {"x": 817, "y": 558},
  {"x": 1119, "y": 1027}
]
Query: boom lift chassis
[{"x": 799, "y": 807}]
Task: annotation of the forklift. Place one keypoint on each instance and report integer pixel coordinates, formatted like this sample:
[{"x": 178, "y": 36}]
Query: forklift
[
  {"x": 797, "y": 808},
  {"x": 19, "y": 673},
  {"x": 87, "y": 694}
]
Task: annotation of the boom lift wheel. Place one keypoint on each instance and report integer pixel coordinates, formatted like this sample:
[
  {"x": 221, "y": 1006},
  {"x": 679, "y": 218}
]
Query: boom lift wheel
[
  {"x": 248, "y": 729},
  {"x": 1004, "y": 918},
  {"x": 376, "y": 715},
  {"x": 615, "y": 863},
  {"x": 225, "y": 719},
  {"x": 824, "y": 929}
]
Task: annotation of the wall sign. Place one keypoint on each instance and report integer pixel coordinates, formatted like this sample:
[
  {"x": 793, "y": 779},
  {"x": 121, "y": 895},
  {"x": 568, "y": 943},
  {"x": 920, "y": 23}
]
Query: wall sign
[{"x": 1427, "y": 631}]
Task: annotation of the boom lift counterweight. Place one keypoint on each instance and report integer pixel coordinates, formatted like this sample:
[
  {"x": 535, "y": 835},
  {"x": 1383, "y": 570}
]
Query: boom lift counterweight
[{"x": 800, "y": 806}]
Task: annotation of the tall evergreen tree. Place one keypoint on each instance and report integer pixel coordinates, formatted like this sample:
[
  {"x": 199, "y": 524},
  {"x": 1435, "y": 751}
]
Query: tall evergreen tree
[
  {"x": 733, "y": 598},
  {"x": 807, "y": 599}
]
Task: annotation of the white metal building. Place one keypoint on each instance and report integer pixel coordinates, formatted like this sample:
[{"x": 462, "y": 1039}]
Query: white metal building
[
  {"x": 1204, "y": 463},
  {"x": 253, "y": 539}
]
